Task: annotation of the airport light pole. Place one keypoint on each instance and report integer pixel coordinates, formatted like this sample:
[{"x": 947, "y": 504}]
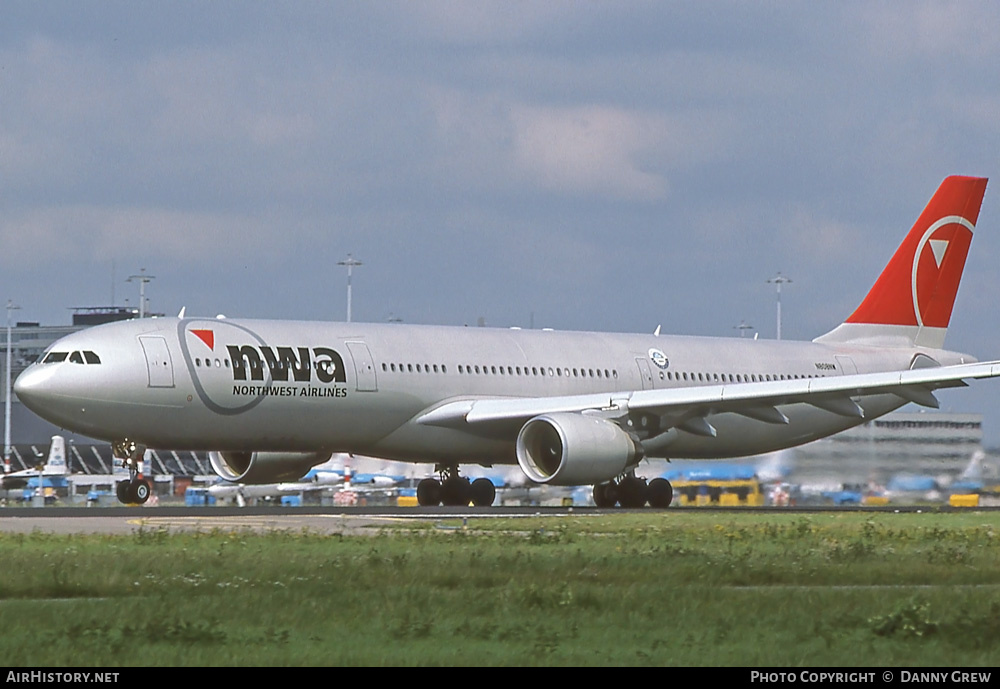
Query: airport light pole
[
  {"x": 7, "y": 391},
  {"x": 142, "y": 278},
  {"x": 779, "y": 280},
  {"x": 350, "y": 262}
]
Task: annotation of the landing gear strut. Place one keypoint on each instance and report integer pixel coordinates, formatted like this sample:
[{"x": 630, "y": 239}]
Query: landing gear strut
[
  {"x": 454, "y": 490},
  {"x": 134, "y": 491},
  {"x": 632, "y": 492}
]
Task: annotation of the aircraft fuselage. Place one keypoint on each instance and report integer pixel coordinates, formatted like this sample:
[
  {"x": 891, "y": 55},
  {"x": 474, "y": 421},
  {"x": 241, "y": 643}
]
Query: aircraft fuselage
[{"x": 245, "y": 385}]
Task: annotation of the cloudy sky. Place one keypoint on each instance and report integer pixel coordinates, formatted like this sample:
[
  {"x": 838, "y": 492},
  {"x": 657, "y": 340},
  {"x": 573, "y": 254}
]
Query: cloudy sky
[{"x": 581, "y": 165}]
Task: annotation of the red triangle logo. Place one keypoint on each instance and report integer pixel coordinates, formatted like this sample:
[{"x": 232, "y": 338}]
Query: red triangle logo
[{"x": 206, "y": 336}]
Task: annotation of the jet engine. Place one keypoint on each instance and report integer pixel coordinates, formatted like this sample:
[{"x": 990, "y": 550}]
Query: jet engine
[
  {"x": 566, "y": 449},
  {"x": 264, "y": 467}
]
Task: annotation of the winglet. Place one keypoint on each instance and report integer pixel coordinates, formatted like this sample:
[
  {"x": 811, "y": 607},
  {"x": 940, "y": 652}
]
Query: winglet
[{"x": 912, "y": 300}]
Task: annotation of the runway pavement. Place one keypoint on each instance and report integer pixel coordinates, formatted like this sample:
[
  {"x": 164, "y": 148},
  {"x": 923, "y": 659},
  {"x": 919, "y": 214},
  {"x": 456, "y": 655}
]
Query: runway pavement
[{"x": 342, "y": 520}]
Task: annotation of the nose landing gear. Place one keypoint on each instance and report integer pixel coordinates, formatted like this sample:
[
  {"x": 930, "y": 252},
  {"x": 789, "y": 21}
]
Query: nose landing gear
[{"x": 136, "y": 490}]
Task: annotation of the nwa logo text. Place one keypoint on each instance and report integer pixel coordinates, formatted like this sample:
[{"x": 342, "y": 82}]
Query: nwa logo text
[{"x": 281, "y": 362}]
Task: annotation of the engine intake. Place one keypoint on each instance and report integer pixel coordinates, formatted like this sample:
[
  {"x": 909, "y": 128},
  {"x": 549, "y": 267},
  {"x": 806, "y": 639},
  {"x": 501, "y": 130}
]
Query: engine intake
[
  {"x": 264, "y": 467},
  {"x": 566, "y": 449}
]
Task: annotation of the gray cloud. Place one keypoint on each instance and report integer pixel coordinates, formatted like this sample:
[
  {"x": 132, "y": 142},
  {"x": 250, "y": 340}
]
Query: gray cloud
[{"x": 605, "y": 166}]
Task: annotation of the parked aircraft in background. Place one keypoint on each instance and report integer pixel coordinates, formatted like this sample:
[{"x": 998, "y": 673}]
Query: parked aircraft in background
[
  {"x": 908, "y": 486},
  {"x": 317, "y": 479},
  {"x": 914, "y": 487},
  {"x": 335, "y": 473},
  {"x": 773, "y": 466},
  {"x": 275, "y": 398},
  {"x": 976, "y": 477},
  {"x": 55, "y": 465},
  {"x": 376, "y": 480}
]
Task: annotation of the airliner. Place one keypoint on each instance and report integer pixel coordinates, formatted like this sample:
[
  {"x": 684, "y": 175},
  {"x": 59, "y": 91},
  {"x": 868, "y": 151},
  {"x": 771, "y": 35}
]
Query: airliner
[
  {"x": 334, "y": 473},
  {"x": 274, "y": 398},
  {"x": 320, "y": 478},
  {"x": 55, "y": 465}
]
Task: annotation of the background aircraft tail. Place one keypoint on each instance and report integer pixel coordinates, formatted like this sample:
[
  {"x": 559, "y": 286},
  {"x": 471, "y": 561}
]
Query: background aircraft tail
[
  {"x": 55, "y": 465},
  {"x": 56, "y": 461},
  {"x": 911, "y": 302}
]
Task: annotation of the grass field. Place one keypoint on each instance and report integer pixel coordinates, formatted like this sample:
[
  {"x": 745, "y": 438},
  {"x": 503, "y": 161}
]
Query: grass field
[{"x": 681, "y": 587}]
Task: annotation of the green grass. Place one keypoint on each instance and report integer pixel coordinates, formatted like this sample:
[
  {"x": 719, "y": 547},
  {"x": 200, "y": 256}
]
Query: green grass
[{"x": 680, "y": 587}]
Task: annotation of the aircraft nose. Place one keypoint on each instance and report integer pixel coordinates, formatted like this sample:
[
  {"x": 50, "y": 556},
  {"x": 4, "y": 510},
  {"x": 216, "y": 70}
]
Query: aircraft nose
[{"x": 33, "y": 387}]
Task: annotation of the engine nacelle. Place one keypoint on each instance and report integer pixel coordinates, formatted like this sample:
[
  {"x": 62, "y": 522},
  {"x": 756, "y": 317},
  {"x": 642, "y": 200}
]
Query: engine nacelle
[
  {"x": 264, "y": 467},
  {"x": 566, "y": 449}
]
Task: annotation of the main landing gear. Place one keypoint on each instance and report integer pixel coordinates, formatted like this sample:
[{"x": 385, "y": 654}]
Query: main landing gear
[
  {"x": 454, "y": 490},
  {"x": 136, "y": 490},
  {"x": 633, "y": 492}
]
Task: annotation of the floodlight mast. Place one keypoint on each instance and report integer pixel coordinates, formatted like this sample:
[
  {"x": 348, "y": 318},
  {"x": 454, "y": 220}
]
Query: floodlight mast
[
  {"x": 779, "y": 280},
  {"x": 6, "y": 409},
  {"x": 350, "y": 262},
  {"x": 142, "y": 278}
]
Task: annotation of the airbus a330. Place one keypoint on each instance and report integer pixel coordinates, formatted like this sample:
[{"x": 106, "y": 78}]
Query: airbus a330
[{"x": 274, "y": 398}]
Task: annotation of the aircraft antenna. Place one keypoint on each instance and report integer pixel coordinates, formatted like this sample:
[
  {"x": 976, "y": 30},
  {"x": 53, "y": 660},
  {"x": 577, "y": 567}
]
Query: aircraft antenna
[
  {"x": 350, "y": 262},
  {"x": 779, "y": 280},
  {"x": 6, "y": 407}
]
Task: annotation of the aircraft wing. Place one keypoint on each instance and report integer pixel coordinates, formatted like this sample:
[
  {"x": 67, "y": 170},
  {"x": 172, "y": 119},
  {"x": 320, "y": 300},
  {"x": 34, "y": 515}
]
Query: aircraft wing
[
  {"x": 18, "y": 479},
  {"x": 756, "y": 400}
]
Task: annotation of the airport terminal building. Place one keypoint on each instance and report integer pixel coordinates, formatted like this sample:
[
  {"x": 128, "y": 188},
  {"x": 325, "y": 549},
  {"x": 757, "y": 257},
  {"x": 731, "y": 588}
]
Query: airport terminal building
[{"x": 903, "y": 442}]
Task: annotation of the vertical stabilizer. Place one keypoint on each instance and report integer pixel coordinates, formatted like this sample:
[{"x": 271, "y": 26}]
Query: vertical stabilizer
[
  {"x": 912, "y": 300},
  {"x": 55, "y": 464}
]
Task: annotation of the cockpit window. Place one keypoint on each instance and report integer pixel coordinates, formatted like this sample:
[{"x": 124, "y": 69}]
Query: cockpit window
[{"x": 76, "y": 357}]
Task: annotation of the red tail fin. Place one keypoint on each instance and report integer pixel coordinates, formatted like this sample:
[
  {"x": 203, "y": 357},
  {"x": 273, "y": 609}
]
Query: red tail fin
[{"x": 913, "y": 297}]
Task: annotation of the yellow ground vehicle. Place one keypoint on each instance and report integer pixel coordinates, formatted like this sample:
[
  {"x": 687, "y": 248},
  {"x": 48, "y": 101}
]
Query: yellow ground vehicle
[
  {"x": 964, "y": 500},
  {"x": 719, "y": 492}
]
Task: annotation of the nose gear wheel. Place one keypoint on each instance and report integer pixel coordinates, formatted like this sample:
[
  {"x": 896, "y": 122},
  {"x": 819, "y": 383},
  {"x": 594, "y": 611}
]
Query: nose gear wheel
[{"x": 136, "y": 490}]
